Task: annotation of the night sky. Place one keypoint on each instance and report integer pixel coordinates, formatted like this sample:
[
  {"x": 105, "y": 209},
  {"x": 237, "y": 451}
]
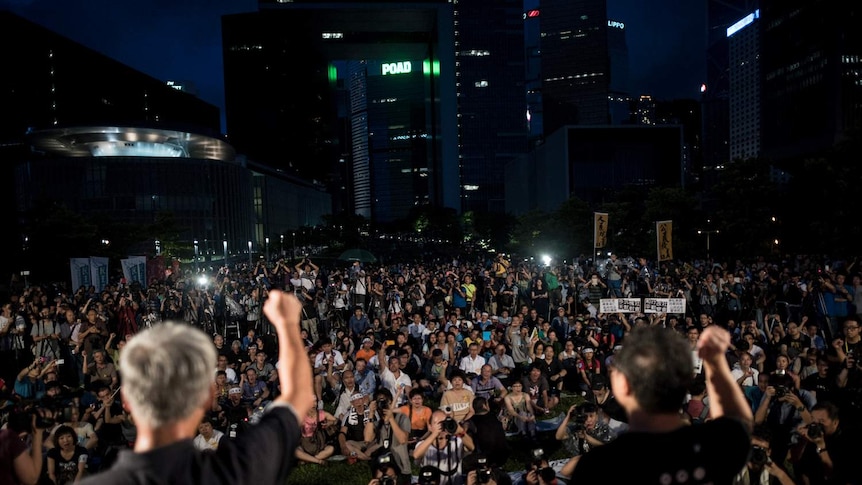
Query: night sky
[{"x": 181, "y": 39}]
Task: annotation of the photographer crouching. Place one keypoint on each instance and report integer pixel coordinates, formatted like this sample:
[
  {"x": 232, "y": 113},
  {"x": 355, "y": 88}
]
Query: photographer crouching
[{"x": 582, "y": 429}]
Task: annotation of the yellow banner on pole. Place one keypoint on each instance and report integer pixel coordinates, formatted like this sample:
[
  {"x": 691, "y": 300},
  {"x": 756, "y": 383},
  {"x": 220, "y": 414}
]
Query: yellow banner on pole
[
  {"x": 664, "y": 240},
  {"x": 600, "y": 234}
]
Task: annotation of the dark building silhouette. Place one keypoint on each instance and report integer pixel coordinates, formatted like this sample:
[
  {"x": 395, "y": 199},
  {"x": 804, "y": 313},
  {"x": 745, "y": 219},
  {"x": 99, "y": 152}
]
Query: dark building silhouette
[
  {"x": 110, "y": 143},
  {"x": 811, "y": 63},
  {"x": 721, "y": 14},
  {"x": 292, "y": 102},
  {"x": 492, "y": 106},
  {"x": 575, "y": 63}
]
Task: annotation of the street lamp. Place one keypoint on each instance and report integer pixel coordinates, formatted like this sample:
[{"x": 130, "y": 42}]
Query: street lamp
[
  {"x": 281, "y": 248},
  {"x": 266, "y": 240},
  {"x": 196, "y": 256},
  {"x": 158, "y": 247},
  {"x": 225, "y": 251},
  {"x": 294, "y": 247},
  {"x": 708, "y": 232}
]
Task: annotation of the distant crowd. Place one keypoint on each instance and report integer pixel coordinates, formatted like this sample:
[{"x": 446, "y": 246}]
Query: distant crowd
[{"x": 447, "y": 365}]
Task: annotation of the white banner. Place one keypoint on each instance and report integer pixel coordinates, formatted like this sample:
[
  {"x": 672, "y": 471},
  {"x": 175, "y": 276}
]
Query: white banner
[
  {"x": 99, "y": 272},
  {"x": 135, "y": 269},
  {"x": 620, "y": 305},
  {"x": 664, "y": 305},
  {"x": 80, "y": 268},
  {"x": 676, "y": 305}
]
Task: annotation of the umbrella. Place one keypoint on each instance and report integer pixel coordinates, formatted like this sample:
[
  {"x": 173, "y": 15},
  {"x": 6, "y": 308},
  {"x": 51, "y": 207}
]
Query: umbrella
[{"x": 356, "y": 254}]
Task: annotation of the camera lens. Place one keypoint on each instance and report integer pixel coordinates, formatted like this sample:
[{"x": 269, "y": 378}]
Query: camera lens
[
  {"x": 758, "y": 456},
  {"x": 815, "y": 430},
  {"x": 450, "y": 426}
]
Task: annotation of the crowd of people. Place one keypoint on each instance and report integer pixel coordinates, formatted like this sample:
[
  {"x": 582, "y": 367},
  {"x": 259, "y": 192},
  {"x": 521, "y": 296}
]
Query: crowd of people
[{"x": 441, "y": 366}]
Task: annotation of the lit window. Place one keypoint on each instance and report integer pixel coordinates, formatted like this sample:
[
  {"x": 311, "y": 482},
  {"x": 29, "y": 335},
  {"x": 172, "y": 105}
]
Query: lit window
[{"x": 481, "y": 84}]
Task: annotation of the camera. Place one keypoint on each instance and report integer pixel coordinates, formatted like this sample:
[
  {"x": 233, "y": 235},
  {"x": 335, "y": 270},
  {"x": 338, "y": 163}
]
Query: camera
[
  {"x": 449, "y": 425},
  {"x": 484, "y": 474},
  {"x": 43, "y": 422},
  {"x": 758, "y": 456},
  {"x": 781, "y": 391},
  {"x": 387, "y": 480},
  {"x": 578, "y": 420},
  {"x": 382, "y": 404},
  {"x": 815, "y": 430}
]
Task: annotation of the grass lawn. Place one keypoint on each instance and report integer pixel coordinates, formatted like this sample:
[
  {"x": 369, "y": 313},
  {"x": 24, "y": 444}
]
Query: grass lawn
[{"x": 341, "y": 472}]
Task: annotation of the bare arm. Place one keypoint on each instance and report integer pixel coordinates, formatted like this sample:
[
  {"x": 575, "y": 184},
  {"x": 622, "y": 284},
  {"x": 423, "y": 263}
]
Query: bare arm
[
  {"x": 28, "y": 467},
  {"x": 726, "y": 397},
  {"x": 294, "y": 373}
]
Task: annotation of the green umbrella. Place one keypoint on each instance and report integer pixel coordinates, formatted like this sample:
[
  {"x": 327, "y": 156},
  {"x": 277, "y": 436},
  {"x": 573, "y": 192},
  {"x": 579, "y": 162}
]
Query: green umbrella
[{"x": 356, "y": 254}]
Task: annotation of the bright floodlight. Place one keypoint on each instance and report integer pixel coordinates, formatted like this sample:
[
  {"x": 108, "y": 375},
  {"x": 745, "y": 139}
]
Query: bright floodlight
[
  {"x": 546, "y": 259},
  {"x": 202, "y": 280}
]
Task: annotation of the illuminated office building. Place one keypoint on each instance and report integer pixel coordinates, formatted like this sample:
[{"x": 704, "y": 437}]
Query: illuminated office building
[
  {"x": 359, "y": 96},
  {"x": 492, "y": 109},
  {"x": 744, "y": 77}
]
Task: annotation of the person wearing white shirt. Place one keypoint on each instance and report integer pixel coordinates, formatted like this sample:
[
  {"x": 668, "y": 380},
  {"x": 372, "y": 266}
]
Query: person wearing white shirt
[
  {"x": 391, "y": 377},
  {"x": 416, "y": 329},
  {"x": 472, "y": 364},
  {"x": 743, "y": 373},
  {"x": 207, "y": 438},
  {"x": 328, "y": 364}
]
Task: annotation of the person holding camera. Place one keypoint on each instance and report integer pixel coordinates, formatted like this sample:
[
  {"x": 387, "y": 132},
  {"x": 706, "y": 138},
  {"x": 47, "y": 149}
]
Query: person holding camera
[
  {"x": 385, "y": 472},
  {"x": 392, "y": 433},
  {"x": 828, "y": 452},
  {"x": 444, "y": 448},
  {"x": 479, "y": 469},
  {"x": 783, "y": 409},
  {"x": 650, "y": 378},
  {"x": 581, "y": 429},
  {"x": 17, "y": 463},
  {"x": 760, "y": 469},
  {"x": 538, "y": 471}
]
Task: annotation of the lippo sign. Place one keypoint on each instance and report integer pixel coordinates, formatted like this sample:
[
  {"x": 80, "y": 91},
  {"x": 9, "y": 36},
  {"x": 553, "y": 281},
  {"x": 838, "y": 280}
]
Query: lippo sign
[{"x": 403, "y": 67}]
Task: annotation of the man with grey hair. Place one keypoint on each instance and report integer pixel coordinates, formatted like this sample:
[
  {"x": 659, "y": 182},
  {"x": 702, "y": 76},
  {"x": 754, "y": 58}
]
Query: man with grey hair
[{"x": 167, "y": 387}]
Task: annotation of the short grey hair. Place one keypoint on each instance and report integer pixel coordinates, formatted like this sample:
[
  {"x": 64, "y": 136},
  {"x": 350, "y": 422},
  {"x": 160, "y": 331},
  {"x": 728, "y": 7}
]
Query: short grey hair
[{"x": 167, "y": 372}]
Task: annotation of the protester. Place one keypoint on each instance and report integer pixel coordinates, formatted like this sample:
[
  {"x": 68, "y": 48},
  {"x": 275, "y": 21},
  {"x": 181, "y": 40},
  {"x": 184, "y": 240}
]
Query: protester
[
  {"x": 427, "y": 337},
  {"x": 168, "y": 391},
  {"x": 651, "y": 375}
]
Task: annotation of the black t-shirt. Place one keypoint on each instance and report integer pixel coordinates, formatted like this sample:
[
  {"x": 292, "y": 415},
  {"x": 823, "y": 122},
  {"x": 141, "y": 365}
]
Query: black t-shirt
[
  {"x": 551, "y": 369},
  {"x": 264, "y": 454},
  {"x": 65, "y": 470},
  {"x": 712, "y": 452},
  {"x": 489, "y": 437}
]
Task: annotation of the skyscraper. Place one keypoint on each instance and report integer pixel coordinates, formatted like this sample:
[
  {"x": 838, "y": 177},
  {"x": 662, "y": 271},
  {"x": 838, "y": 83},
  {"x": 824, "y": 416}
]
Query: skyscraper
[
  {"x": 491, "y": 99},
  {"x": 575, "y": 63},
  {"x": 716, "y": 97},
  {"x": 744, "y": 96},
  {"x": 812, "y": 76},
  {"x": 379, "y": 129}
]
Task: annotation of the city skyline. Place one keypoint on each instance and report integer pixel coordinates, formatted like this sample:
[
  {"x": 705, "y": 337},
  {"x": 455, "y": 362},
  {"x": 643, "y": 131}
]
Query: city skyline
[{"x": 181, "y": 41}]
